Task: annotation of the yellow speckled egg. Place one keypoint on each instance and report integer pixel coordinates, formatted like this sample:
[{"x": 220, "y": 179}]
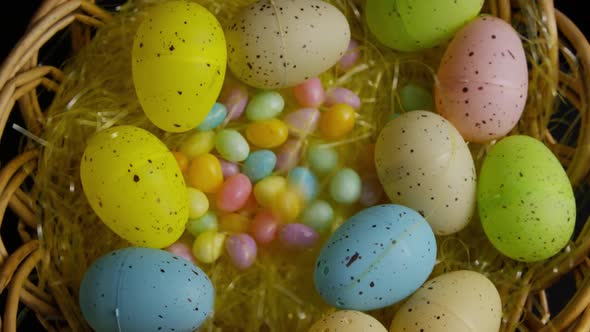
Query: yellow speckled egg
[
  {"x": 178, "y": 61},
  {"x": 459, "y": 301},
  {"x": 423, "y": 163},
  {"x": 133, "y": 183},
  {"x": 347, "y": 321}
]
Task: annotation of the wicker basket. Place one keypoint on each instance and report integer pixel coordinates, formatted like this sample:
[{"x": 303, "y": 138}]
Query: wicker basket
[{"x": 21, "y": 76}]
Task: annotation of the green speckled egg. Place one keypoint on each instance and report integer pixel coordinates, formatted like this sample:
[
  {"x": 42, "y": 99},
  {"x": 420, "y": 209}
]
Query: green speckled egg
[
  {"x": 526, "y": 203},
  {"x": 135, "y": 186}
]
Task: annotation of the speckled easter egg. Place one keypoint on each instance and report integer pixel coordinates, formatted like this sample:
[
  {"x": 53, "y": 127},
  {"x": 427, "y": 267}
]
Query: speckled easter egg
[
  {"x": 133, "y": 183},
  {"x": 483, "y": 80},
  {"x": 142, "y": 289},
  {"x": 178, "y": 62},
  {"x": 459, "y": 301},
  {"x": 281, "y": 43},
  {"x": 347, "y": 321},
  {"x": 423, "y": 163},
  {"x": 525, "y": 200},
  {"x": 376, "y": 258}
]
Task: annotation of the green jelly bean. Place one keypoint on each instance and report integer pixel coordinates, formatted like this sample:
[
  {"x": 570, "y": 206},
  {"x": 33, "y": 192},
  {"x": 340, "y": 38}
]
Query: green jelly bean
[
  {"x": 231, "y": 145},
  {"x": 416, "y": 98},
  {"x": 265, "y": 105},
  {"x": 322, "y": 159},
  {"x": 318, "y": 215},
  {"x": 207, "y": 222},
  {"x": 345, "y": 186}
]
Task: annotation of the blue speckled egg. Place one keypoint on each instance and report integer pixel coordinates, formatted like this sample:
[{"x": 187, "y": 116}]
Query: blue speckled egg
[
  {"x": 215, "y": 117},
  {"x": 259, "y": 165},
  {"x": 143, "y": 289},
  {"x": 304, "y": 180},
  {"x": 378, "y": 257}
]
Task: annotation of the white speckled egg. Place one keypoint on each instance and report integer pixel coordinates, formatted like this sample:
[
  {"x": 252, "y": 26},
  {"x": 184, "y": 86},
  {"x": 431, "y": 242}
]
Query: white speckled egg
[
  {"x": 460, "y": 301},
  {"x": 347, "y": 321},
  {"x": 282, "y": 43},
  {"x": 483, "y": 80},
  {"x": 424, "y": 163}
]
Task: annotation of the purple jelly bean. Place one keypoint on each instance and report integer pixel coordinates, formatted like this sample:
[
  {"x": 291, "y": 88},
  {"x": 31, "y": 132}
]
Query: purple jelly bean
[
  {"x": 228, "y": 168},
  {"x": 288, "y": 155},
  {"x": 241, "y": 249},
  {"x": 298, "y": 236},
  {"x": 303, "y": 121},
  {"x": 235, "y": 99},
  {"x": 343, "y": 96},
  {"x": 351, "y": 57},
  {"x": 371, "y": 191}
]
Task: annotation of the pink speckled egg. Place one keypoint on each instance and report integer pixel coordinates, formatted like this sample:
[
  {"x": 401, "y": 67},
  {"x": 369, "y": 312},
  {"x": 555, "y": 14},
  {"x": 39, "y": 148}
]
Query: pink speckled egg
[{"x": 483, "y": 80}]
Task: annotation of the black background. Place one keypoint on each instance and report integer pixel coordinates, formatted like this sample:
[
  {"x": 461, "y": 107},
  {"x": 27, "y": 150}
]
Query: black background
[{"x": 14, "y": 17}]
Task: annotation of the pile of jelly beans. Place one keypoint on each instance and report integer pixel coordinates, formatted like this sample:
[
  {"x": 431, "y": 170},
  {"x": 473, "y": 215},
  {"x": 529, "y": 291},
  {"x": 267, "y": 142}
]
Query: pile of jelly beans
[{"x": 252, "y": 171}]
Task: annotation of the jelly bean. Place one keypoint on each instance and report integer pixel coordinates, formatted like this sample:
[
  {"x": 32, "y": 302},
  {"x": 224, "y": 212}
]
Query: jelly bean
[
  {"x": 415, "y": 98},
  {"x": 351, "y": 57},
  {"x": 322, "y": 159},
  {"x": 268, "y": 189},
  {"x": 234, "y": 223},
  {"x": 298, "y": 236},
  {"x": 302, "y": 122},
  {"x": 288, "y": 155},
  {"x": 337, "y": 121},
  {"x": 371, "y": 191},
  {"x": 264, "y": 227},
  {"x": 234, "y": 193},
  {"x": 259, "y": 165},
  {"x": 182, "y": 160},
  {"x": 231, "y": 145},
  {"x": 345, "y": 186},
  {"x": 198, "y": 203},
  {"x": 215, "y": 117},
  {"x": 228, "y": 168},
  {"x": 265, "y": 105},
  {"x": 235, "y": 99},
  {"x": 304, "y": 180},
  {"x": 204, "y": 173},
  {"x": 288, "y": 205},
  {"x": 207, "y": 222},
  {"x": 197, "y": 144},
  {"x": 343, "y": 96},
  {"x": 310, "y": 93},
  {"x": 267, "y": 134},
  {"x": 208, "y": 246},
  {"x": 318, "y": 215},
  {"x": 241, "y": 249},
  {"x": 250, "y": 207},
  {"x": 183, "y": 250}
]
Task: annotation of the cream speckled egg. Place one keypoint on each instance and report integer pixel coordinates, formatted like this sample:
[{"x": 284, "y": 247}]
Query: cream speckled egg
[
  {"x": 459, "y": 301},
  {"x": 424, "y": 163},
  {"x": 282, "y": 43},
  {"x": 347, "y": 321}
]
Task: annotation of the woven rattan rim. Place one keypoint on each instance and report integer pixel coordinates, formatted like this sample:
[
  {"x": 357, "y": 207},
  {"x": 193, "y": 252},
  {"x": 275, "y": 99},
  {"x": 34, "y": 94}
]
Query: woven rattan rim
[{"x": 20, "y": 76}]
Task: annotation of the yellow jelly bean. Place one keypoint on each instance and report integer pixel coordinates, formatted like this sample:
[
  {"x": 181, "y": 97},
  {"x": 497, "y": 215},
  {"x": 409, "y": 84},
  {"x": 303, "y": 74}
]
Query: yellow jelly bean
[
  {"x": 198, "y": 204},
  {"x": 197, "y": 144},
  {"x": 337, "y": 121},
  {"x": 234, "y": 223},
  {"x": 267, "y": 133},
  {"x": 182, "y": 160},
  {"x": 208, "y": 246},
  {"x": 267, "y": 189},
  {"x": 288, "y": 204},
  {"x": 204, "y": 173}
]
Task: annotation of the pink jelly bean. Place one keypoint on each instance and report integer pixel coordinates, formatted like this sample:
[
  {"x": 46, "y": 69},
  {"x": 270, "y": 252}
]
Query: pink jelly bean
[
  {"x": 241, "y": 249},
  {"x": 343, "y": 96},
  {"x": 234, "y": 98},
  {"x": 302, "y": 122},
  {"x": 228, "y": 168},
  {"x": 371, "y": 191},
  {"x": 298, "y": 236},
  {"x": 234, "y": 193},
  {"x": 264, "y": 227},
  {"x": 288, "y": 155},
  {"x": 183, "y": 250},
  {"x": 310, "y": 93},
  {"x": 351, "y": 57}
]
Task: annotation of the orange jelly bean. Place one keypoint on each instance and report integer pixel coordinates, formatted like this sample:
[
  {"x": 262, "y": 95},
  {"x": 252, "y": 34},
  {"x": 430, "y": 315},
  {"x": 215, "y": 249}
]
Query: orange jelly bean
[
  {"x": 337, "y": 121},
  {"x": 234, "y": 223},
  {"x": 267, "y": 134},
  {"x": 204, "y": 173},
  {"x": 182, "y": 160}
]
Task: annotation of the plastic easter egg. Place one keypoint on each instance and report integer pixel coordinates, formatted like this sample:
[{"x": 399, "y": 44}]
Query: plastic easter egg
[
  {"x": 215, "y": 117},
  {"x": 204, "y": 173},
  {"x": 318, "y": 215},
  {"x": 376, "y": 258},
  {"x": 208, "y": 246},
  {"x": 206, "y": 222},
  {"x": 337, "y": 121},
  {"x": 140, "y": 289},
  {"x": 267, "y": 134},
  {"x": 265, "y": 105},
  {"x": 302, "y": 122},
  {"x": 385, "y": 22},
  {"x": 459, "y": 301},
  {"x": 483, "y": 80},
  {"x": 304, "y": 180},
  {"x": 322, "y": 159},
  {"x": 347, "y": 321},
  {"x": 415, "y": 98},
  {"x": 345, "y": 186},
  {"x": 310, "y": 93},
  {"x": 271, "y": 43},
  {"x": 259, "y": 165},
  {"x": 231, "y": 145},
  {"x": 178, "y": 62},
  {"x": 423, "y": 163},
  {"x": 198, "y": 203},
  {"x": 241, "y": 249},
  {"x": 134, "y": 185},
  {"x": 234, "y": 193},
  {"x": 199, "y": 143},
  {"x": 525, "y": 200}
]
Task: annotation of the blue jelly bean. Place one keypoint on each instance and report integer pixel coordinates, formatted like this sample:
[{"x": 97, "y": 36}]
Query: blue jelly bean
[
  {"x": 303, "y": 179},
  {"x": 215, "y": 117},
  {"x": 259, "y": 165}
]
